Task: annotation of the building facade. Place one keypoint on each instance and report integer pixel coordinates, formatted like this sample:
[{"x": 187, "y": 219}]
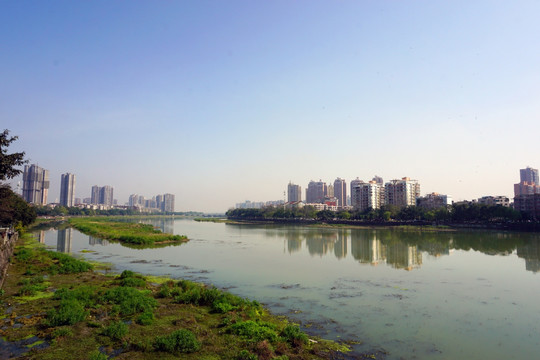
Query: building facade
[
  {"x": 434, "y": 201},
  {"x": 340, "y": 192},
  {"x": 102, "y": 195},
  {"x": 401, "y": 193},
  {"x": 529, "y": 175},
  {"x": 494, "y": 200},
  {"x": 294, "y": 193},
  {"x": 35, "y": 184},
  {"x": 316, "y": 191},
  {"x": 67, "y": 190},
  {"x": 168, "y": 203},
  {"x": 368, "y": 195}
]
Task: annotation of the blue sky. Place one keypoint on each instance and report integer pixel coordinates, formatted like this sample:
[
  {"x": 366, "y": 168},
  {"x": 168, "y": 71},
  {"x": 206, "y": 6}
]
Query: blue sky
[{"x": 224, "y": 101}]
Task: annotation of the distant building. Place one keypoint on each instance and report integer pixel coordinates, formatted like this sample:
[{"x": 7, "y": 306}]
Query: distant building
[
  {"x": 401, "y": 193},
  {"x": 249, "y": 205},
  {"x": 35, "y": 184},
  {"x": 67, "y": 190},
  {"x": 340, "y": 192},
  {"x": 378, "y": 180},
  {"x": 102, "y": 195},
  {"x": 494, "y": 200},
  {"x": 529, "y": 175},
  {"x": 106, "y": 195},
  {"x": 330, "y": 190},
  {"x": 168, "y": 203},
  {"x": 294, "y": 193},
  {"x": 316, "y": 192},
  {"x": 529, "y": 204},
  {"x": 434, "y": 201},
  {"x": 367, "y": 196}
]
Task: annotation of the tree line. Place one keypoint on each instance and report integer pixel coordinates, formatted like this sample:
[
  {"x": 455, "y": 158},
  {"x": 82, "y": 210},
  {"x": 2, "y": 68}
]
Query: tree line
[{"x": 469, "y": 212}]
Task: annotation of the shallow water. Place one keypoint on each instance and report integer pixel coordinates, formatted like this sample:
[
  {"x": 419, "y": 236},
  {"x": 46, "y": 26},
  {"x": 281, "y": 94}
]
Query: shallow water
[{"x": 413, "y": 295}]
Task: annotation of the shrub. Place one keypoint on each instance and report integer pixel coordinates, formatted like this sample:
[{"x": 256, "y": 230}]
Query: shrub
[
  {"x": 69, "y": 312},
  {"x": 179, "y": 341},
  {"x": 293, "y": 335},
  {"x": 61, "y": 332},
  {"x": 133, "y": 282},
  {"x": 190, "y": 296},
  {"x": 146, "y": 318},
  {"x": 130, "y": 301},
  {"x": 97, "y": 355},
  {"x": 86, "y": 295},
  {"x": 66, "y": 264},
  {"x": 24, "y": 255},
  {"x": 246, "y": 355},
  {"x": 255, "y": 331},
  {"x": 116, "y": 330}
]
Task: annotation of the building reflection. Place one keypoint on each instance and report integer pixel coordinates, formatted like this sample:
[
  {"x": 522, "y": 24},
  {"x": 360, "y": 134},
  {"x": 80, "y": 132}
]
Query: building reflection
[
  {"x": 63, "y": 243},
  {"x": 530, "y": 252},
  {"x": 340, "y": 247},
  {"x": 97, "y": 241},
  {"x": 368, "y": 248},
  {"x": 40, "y": 236}
]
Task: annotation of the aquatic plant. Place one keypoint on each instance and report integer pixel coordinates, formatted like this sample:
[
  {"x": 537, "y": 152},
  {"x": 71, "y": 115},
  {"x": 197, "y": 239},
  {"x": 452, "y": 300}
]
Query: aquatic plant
[
  {"x": 69, "y": 312},
  {"x": 255, "y": 331},
  {"x": 293, "y": 335},
  {"x": 116, "y": 330},
  {"x": 130, "y": 301},
  {"x": 179, "y": 341}
]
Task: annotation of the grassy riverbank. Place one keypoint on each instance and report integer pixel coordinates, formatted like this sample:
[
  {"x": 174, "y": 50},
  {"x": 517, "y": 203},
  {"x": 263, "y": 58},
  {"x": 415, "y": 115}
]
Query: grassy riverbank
[
  {"x": 127, "y": 232},
  {"x": 54, "y": 306}
]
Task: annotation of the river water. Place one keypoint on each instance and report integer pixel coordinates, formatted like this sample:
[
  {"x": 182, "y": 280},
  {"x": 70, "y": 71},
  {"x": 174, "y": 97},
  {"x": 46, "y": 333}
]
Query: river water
[{"x": 408, "y": 294}]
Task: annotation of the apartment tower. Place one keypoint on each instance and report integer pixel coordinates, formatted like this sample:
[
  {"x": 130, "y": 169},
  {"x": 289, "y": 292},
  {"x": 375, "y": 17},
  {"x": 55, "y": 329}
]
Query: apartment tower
[
  {"x": 294, "y": 193},
  {"x": 35, "y": 184},
  {"x": 67, "y": 190},
  {"x": 340, "y": 192}
]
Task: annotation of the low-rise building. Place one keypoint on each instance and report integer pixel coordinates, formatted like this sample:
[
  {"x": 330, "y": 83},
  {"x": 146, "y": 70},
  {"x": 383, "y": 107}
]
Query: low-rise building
[{"x": 434, "y": 201}]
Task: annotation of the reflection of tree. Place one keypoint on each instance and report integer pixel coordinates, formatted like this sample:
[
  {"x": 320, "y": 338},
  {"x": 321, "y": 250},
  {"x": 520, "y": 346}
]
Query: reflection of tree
[
  {"x": 63, "y": 243},
  {"x": 531, "y": 253}
]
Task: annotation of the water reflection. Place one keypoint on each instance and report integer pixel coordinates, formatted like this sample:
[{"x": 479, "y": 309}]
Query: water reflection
[
  {"x": 403, "y": 249},
  {"x": 63, "y": 243},
  {"x": 97, "y": 241}
]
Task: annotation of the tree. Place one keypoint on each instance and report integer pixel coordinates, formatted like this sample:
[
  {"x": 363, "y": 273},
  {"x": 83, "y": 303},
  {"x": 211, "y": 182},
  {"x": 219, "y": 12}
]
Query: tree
[
  {"x": 13, "y": 209},
  {"x": 9, "y": 161}
]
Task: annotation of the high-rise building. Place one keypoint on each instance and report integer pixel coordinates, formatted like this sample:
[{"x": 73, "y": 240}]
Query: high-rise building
[
  {"x": 35, "y": 184},
  {"x": 106, "y": 195},
  {"x": 529, "y": 175},
  {"x": 94, "y": 196},
  {"x": 368, "y": 195},
  {"x": 315, "y": 192},
  {"x": 340, "y": 192},
  {"x": 67, "y": 190},
  {"x": 294, "y": 193},
  {"x": 102, "y": 195},
  {"x": 168, "y": 203},
  {"x": 401, "y": 193},
  {"x": 354, "y": 183}
]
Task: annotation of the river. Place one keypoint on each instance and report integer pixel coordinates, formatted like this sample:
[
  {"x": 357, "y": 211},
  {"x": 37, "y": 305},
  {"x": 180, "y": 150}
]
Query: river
[{"x": 403, "y": 293}]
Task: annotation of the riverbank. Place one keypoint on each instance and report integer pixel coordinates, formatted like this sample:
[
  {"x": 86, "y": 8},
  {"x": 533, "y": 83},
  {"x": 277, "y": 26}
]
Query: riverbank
[
  {"x": 55, "y": 306},
  {"x": 417, "y": 224}
]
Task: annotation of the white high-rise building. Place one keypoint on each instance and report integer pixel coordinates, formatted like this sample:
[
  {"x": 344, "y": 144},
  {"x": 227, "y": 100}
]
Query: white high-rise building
[
  {"x": 401, "y": 193},
  {"x": 368, "y": 195}
]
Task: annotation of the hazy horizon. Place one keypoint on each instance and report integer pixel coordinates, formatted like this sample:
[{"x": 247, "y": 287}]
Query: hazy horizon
[{"x": 222, "y": 102}]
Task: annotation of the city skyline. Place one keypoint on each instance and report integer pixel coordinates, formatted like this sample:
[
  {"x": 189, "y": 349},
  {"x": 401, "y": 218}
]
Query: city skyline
[{"x": 218, "y": 103}]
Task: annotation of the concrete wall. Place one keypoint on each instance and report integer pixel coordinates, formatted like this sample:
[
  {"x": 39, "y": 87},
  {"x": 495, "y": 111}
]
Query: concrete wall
[{"x": 7, "y": 244}]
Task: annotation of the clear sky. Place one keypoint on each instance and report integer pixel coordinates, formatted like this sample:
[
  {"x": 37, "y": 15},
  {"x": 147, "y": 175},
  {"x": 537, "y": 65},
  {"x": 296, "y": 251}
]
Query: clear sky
[{"x": 219, "y": 102}]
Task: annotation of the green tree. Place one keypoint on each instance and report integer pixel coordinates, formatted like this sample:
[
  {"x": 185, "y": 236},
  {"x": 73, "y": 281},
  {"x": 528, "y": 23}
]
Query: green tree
[
  {"x": 8, "y": 162},
  {"x": 13, "y": 209}
]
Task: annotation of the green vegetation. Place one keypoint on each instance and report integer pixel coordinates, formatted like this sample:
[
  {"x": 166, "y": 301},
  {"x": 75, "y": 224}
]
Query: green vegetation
[
  {"x": 126, "y": 232},
  {"x": 88, "y": 315},
  {"x": 457, "y": 213}
]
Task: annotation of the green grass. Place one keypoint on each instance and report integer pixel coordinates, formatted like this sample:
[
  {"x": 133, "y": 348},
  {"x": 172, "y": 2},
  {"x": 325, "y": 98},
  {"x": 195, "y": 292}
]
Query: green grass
[
  {"x": 88, "y": 315},
  {"x": 125, "y": 232}
]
